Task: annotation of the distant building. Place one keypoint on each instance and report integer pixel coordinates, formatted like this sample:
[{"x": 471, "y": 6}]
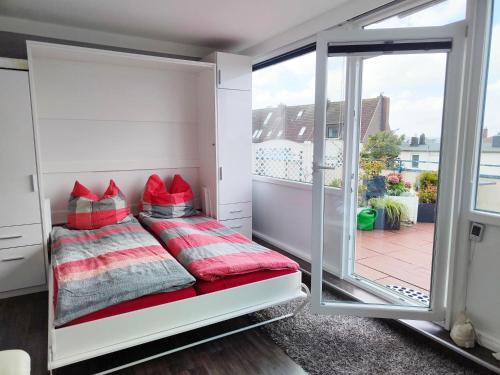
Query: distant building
[
  {"x": 426, "y": 156},
  {"x": 296, "y": 123}
]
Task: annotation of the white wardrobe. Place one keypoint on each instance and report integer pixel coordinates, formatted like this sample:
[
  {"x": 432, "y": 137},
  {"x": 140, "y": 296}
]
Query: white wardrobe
[
  {"x": 234, "y": 140},
  {"x": 22, "y": 266}
]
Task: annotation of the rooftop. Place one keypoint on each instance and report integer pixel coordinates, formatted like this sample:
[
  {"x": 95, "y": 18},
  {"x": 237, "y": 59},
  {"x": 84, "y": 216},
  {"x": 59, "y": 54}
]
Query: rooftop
[{"x": 296, "y": 123}]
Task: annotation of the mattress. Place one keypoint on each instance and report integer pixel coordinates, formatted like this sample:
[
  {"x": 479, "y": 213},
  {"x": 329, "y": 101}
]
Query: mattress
[
  {"x": 95, "y": 269},
  {"x": 211, "y": 251}
]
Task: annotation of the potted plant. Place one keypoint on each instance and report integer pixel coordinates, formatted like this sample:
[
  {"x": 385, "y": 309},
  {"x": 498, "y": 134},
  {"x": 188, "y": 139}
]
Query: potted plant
[
  {"x": 427, "y": 196},
  {"x": 390, "y": 213},
  {"x": 399, "y": 189},
  {"x": 372, "y": 179},
  {"x": 395, "y": 184}
]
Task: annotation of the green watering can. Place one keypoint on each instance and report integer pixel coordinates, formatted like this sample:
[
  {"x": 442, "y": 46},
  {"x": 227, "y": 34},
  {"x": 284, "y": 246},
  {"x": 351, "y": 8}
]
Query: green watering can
[{"x": 366, "y": 218}]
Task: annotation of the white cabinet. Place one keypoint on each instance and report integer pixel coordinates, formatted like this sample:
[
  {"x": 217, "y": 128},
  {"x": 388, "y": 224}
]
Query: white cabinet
[
  {"x": 18, "y": 184},
  {"x": 234, "y": 114},
  {"x": 243, "y": 226},
  {"x": 22, "y": 263},
  {"x": 21, "y": 267},
  {"x": 234, "y": 140},
  {"x": 233, "y": 71}
]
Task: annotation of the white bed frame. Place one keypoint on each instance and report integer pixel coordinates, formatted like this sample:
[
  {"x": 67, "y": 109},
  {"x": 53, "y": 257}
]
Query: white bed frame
[{"x": 83, "y": 341}]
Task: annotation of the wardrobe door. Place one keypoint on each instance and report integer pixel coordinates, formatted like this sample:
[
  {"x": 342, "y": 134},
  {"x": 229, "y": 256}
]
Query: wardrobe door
[
  {"x": 234, "y": 146},
  {"x": 18, "y": 184},
  {"x": 234, "y": 71}
]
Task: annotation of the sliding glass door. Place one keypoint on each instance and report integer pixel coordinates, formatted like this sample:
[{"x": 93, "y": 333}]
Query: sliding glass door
[{"x": 387, "y": 112}]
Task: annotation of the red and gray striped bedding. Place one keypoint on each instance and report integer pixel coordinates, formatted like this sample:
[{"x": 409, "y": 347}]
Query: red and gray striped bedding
[
  {"x": 210, "y": 250},
  {"x": 94, "y": 269}
]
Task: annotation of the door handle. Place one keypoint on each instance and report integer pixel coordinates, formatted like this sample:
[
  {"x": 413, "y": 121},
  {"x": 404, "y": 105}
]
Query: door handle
[
  {"x": 220, "y": 173},
  {"x": 236, "y": 227},
  {"x": 219, "y": 76},
  {"x": 10, "y": 237},
  {"x": 317, "y": 167},
  {"x": 12, "y": 259},
  {"x": 235, "y": 211},
  {"x": 34, "y": 183}
]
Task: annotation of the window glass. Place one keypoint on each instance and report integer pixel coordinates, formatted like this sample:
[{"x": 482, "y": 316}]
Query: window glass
[
  {"x": 488, "y": 182},
  {"x": 436, "y": 13},
  {"x": 283, "y": 119}
]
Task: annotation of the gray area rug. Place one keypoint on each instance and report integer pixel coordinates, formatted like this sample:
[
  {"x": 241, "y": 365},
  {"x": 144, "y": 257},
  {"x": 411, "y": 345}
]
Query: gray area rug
[{"x": 330, "y": 345}]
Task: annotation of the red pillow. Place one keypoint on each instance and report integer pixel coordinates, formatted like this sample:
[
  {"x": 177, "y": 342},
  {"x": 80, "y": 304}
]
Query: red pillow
[
  {"x": 158, "y": 202},
  {"x": 87, "y": 211}
]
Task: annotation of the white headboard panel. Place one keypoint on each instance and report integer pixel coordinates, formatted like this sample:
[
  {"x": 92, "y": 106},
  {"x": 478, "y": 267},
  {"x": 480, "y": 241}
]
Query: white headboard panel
[{"x": 101, "y": 114}]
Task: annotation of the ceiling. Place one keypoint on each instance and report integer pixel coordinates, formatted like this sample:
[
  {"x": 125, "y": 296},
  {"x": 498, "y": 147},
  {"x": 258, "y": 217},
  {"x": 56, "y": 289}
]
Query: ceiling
[{"x": 218, "y": 24}]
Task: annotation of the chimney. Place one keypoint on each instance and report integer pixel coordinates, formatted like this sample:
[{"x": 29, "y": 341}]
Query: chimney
[
  {"x": 414, "y": 142},
  {"x": 485, "y": 134},
  {"x": 384, "y": 112},
  {"x": 421, "y": 140}
]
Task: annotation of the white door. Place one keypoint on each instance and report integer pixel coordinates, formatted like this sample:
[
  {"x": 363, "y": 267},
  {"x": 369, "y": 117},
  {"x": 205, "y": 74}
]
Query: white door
[
  {"x": 234, "y": 129},
  {"x": 363, "y": 173},
  {"x": 18, "y": 185}
]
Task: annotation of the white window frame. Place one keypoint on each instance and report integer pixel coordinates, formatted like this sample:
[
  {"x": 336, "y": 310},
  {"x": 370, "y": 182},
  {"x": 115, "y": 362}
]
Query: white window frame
[
  {"x": 479, "y": 19},
  {"x": 478, "y": 69}
]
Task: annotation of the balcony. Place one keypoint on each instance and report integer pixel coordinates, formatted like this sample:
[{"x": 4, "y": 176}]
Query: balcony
[{"x": 397, "y": 257}]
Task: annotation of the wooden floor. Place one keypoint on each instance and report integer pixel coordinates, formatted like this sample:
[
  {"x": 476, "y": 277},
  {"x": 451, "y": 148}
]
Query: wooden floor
[{"x": 24, "y": 326}]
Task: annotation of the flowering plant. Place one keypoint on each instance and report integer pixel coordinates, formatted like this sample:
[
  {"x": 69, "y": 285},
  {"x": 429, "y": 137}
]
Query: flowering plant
[
  {"x": 427, "y": 194},
  {"x": 371, "y": 168},
  {"x": 395, "y": 185}
]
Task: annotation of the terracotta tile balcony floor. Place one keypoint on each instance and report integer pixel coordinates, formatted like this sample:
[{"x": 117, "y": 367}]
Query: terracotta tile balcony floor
[{"x": 397, "y": 257}]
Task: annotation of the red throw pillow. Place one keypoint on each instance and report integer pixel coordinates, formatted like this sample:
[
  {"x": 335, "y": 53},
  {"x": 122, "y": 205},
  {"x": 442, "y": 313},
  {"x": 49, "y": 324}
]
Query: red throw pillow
[
  {"x": 87, "y": 211},
  {"x": 158, "y": 202}
]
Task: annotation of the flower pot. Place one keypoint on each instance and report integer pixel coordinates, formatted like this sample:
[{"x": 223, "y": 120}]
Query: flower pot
[
  {"x": 411, "y": 203},
  {"x": 426, "y": 212},
  {"x": 383, "y": 222},
  {"x": 375, "y": 187}
]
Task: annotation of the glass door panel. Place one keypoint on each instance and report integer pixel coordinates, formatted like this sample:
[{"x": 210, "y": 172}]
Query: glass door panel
[
  {"x": 386, "y": 106},
  {"x": 400, "y": 122}
]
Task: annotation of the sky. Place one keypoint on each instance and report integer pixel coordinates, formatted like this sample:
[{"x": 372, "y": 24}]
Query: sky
[{"x": 414, "y": 83}]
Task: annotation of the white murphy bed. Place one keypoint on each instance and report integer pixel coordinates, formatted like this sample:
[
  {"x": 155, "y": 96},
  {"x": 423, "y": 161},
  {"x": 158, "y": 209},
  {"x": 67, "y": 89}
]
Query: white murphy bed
[{"x": 99, "y": 115}]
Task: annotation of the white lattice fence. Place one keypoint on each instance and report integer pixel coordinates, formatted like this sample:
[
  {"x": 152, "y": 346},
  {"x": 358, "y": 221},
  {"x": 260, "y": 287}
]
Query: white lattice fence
[{"x": 293, "y": 161}]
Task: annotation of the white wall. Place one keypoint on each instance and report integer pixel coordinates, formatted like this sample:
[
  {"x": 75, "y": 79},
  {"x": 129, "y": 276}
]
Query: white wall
[
  {"x": 483, "y": 296},
  {"x": 282, "y": 214}
]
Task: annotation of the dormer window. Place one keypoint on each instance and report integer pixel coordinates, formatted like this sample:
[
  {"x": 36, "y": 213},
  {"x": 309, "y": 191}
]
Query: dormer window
[{"x": 268, "y": 117}]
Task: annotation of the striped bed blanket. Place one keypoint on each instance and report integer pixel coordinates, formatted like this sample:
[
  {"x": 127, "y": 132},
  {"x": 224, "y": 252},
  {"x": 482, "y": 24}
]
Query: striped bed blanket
[
  {"x": 94, "y": 269},
  {"x": 210, "y": 251}
]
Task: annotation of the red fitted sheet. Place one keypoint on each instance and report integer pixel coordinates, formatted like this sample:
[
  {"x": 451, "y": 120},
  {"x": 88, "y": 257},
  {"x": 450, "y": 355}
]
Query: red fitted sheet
[
  {"x": 136, "y": 304},
  {"x": 201, "y": 287},
  {"x": 205, "y": 287}
]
